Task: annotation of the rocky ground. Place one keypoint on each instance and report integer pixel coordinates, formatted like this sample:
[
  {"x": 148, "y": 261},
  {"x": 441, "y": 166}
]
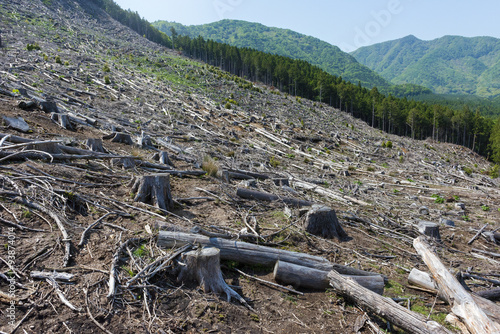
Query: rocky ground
[{"x": 108, "y": 80}]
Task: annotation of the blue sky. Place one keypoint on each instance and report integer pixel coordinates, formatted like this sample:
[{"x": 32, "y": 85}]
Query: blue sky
[{"x": 347, "y": 24}]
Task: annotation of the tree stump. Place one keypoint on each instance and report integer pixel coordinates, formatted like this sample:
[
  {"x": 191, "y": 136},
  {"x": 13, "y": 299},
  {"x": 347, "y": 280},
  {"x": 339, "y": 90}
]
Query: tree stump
[
  {"x": 125, "y": 163},
  {"x": 62, "y": 120},
  {"x": 203, "y": 266},
  {"x": 164, "y": 159},
  {"x": 144, "y": 140},
  {"x": 153, "y": 189},
  {"x": 322, "y": 221},
  {"x": 429, "y": 229},
  {"x": 120, "y": 137},
  {"x": 95, "y": 145}
]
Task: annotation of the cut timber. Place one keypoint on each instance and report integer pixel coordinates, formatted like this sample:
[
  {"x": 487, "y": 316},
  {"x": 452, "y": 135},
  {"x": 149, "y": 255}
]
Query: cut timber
[
  {"x": 154, "y": 189},
  {"x": 322, "y": 221},
  {"x": 424, "y": 280},
  {"x": 463, "y": 305},
  {"x": 409, "y": 321},
  {"x": 203, "y": 266},
  {"x": 255, "y": 254},
  {"x": 310, "y": 278},
  {"x": 262, "y": 196},
  {"x": 95, "y": 145},
  {"x": 429, "y": 229}
]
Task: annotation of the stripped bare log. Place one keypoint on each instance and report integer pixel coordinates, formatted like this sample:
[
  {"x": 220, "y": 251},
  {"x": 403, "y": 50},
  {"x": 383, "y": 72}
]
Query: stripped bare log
[
  {"x": 400, "y": 316},
  {"x": 262, "y": 196},
  {"x": 310, "y": 278},
  {"x": 463, "y": 305},
  {"x": 153, "y": 189},
  {"x": 322, "y": 221}
]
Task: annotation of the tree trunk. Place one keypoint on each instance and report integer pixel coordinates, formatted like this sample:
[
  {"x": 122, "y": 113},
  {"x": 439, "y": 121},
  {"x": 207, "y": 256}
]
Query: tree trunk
[
  {"x": 322, "y": 221},
  {"x": 203, "y": 266},
  {"x": 463, "y": 305},
  {"x": 310, "y": 278},
  {"x": 155, "y": 190},
  {"x": 262, "y": 196},
  {"x": 409, "y": 321}
]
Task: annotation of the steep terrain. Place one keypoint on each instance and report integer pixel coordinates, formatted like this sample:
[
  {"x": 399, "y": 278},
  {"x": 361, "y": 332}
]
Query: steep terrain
[
  {"x": 447, "y": 65},
  {"x": 282, "y": 42},
  {"x": 110, "y": 80}
]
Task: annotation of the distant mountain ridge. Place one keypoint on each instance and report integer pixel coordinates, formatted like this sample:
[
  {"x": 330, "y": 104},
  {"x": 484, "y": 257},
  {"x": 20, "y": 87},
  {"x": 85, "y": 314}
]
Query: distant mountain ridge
[
  {"x": 282, "y": 42},
  {"x": 447, "y": 65}
]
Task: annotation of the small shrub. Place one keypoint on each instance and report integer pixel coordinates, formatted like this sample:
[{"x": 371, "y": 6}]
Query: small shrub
[
  {"x": 388, "y": 144},
  {"x": 210, "y": 166},
  {"x": 370, "y": 169},
  {"x": 494, "y": 172},
  {"x": 467, "y": 170},
  {"x": 438, "y": 199},
  {"x": 32, "y": 47},
  {"x": 485, "y": 208},
  {"x": 106, "y": 68},
  {"x": 228, "y": 105},
  {"x": 274, "y": 162},
  {"x": 58, "y": 60},
  {"x": 107, "y": 80}
]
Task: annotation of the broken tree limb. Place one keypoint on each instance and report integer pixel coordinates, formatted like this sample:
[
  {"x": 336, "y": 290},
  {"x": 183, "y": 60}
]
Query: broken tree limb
[
  {"x": 477, "y": 234},
  {"x": 400, "y": 316},
  {"x": 463, "y": 305},
  {"x": 255, "y": 254},
  {"x": 310, "y": 278},
  {"x": 262, "y": 196}
]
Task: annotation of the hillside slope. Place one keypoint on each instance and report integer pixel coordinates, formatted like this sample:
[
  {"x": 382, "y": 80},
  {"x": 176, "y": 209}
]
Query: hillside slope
[
  {"x": 282, "y": 42},
  {"x": 68, "y": 205},
  {"x": 447, "y": 65}
]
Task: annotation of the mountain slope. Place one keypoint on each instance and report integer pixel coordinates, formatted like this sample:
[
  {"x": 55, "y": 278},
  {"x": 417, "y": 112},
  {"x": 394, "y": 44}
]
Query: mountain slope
[
  {"x": 447, "y": 65},
  {"x": 282, "y": 42}
]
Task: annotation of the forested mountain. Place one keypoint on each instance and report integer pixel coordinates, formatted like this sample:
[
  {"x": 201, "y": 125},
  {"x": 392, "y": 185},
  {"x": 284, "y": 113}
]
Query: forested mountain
[
  {"x": 282, "y": 42},
  {"x": 447, "y": 65}
]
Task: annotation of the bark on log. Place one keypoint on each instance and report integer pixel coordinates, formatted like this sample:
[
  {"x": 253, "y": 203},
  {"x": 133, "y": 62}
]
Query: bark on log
[
  {"x": 463, "y": 305},
  {"x": 429, "y": 229},
  {"x": 262, "y": 196},
  {"x": 400, "y": 316},
  {"x": 322, "y": 221},
  {"x": 203, "y": 266},
  {"x": 424, "y": 280},
  {"x": 255, "y": 254},
  {"x": 155, "y": 190},
  {"x": 310, "y": 278}
]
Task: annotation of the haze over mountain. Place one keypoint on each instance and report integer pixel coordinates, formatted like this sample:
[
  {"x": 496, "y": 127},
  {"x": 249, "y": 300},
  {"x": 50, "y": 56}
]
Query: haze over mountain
[
  {"x": 282, "y": 42},
  {"x": 447, "y": 65}
]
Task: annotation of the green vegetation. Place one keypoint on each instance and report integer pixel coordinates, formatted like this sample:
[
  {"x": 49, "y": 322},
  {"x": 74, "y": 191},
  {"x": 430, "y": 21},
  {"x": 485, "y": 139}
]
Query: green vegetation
[
  {"x": 438, "y": 199},
  {"x": 210, "y": 166},
  {"x": 31, "y": 47}
]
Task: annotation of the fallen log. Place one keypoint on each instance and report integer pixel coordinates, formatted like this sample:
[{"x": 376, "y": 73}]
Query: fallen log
[
  {"x": 463, "y": 305},
  {"x": 400, "y": 316},
  {"x": 262, "y": 196},
  {"x": 253, "y": 254},
  {"x": 424, "y": 280},
  {"x": 310, "y": 278}
]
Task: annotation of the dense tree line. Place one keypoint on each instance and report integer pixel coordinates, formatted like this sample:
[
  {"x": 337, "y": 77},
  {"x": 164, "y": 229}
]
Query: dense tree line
[{"x": 401, "y": 116}]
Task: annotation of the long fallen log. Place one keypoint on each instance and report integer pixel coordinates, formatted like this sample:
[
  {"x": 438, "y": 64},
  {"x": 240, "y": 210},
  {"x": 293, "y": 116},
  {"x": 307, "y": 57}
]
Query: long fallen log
[
  {"x": 310, "y": 278},
  {"x": 400, "y": 316},
  {"x": 424, "y": 280},
  {"x": 463, "y": 305},
  {"x": 253, "y": 254},
  {"x": 262, "y": 196}
]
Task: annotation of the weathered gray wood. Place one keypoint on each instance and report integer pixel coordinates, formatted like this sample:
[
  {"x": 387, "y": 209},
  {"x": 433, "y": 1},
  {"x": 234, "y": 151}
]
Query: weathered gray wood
[
  {"x": 203, "y": 266},
  {"x": 253, "y": 254},
  {"x": 125, "y": 163},
  {"x": 62, "y": 120},
  {"x": 398, "y": 315},
  {"x": 46, "y": 106},
  {"x": 120, "y": 137},
  {"x": 154, "y": 189},
  {"x": 429, "y": 229},
  {"x": 95, "y": 145},
  {"x": 310, "y": 278},
  {"x": 463, "y": 305},
  {"x": 322, "y": 221},
  {"x": 16, "y": 123},
  {"x": 164, "y": 159},
  {"x": 262, "y": 196},
  {"x": 26, "y": 104},
  {"x": 424, "y": 280}
]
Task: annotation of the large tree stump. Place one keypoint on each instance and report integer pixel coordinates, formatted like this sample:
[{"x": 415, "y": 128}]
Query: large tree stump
[
  {"x": 429, "y": 229},
  {"x": 322, "y": 221},
  {"x": 120, "y": 137},
  {"x": 163, "y": 158},
  {"x": 153, "y": 189},
  {"x": 62, "y": 120},
  {"x": 95, "y": 145},
  {"x": 125, "y": 163},
  {"x": 203, "y": 266}
]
